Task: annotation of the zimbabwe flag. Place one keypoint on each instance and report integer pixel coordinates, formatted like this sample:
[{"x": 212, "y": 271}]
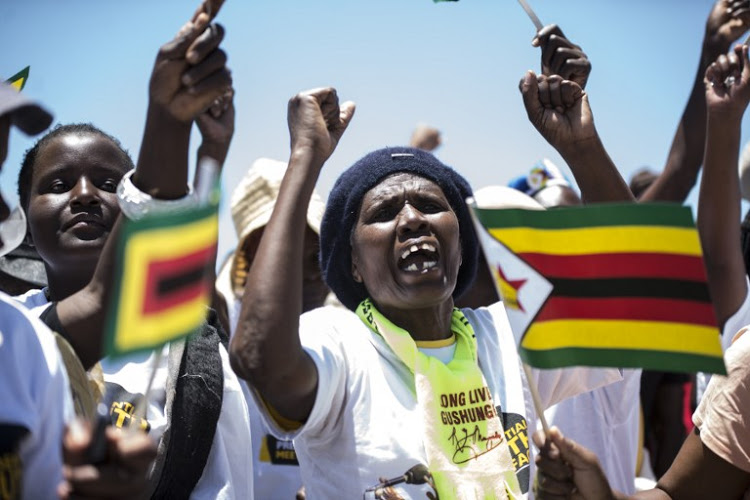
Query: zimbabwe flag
[
  {"x": 162, "y": 284},
  {"x": 18, "y": 81},
  {"x": 619, "y": 285}
]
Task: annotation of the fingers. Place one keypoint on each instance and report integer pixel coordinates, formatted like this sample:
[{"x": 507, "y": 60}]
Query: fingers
[
  {"x": 209, "y": 7},
  {"x": 571, "y": 64},
  {"x": 76, "y": 442},
  {"x": 200, "y": 96},
  {"x": 345, "y": 116},
  {"x": 529, "y": 88},
  {"x": 213, "y": 63},
  {"x": 176, "y": 48},
  {"x": 132, "y": 450},
  {"x": 205, "y": 44},
  {"x": 541, "y": 37}
]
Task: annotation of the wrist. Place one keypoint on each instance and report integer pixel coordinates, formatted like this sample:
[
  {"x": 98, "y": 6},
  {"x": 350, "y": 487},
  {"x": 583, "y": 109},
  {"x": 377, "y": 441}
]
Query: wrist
[
  {"x": 213, "y": 150},
  {"x": 725, "y": 116},
  {"x": 580, "y": 148}
]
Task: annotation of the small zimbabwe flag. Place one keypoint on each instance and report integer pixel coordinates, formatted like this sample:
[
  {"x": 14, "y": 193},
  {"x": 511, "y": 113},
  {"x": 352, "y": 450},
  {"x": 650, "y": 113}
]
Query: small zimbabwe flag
[
  {"x": 18, "y": 81},
  {"x": 620, "y": 285},
  {"x": 163, "y": 279}
]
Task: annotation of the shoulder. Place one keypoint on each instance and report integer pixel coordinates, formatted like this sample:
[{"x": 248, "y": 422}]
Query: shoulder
[{"x": 33, "y": 300}]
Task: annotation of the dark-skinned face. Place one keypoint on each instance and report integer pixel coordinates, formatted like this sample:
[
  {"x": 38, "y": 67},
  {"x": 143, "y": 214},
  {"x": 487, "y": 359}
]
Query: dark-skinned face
[
  {"x": 72, "y": 204},
  {"x": 314, "y": 289},
  {"x": 405, "y": 245}
]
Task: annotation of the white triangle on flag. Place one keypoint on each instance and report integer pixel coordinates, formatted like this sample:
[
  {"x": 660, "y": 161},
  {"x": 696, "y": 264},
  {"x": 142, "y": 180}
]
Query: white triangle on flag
[{"x": 521, "y": 288}]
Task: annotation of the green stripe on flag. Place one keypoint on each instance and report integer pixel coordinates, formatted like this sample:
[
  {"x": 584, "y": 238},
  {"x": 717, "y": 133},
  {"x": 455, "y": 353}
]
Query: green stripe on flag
[
  {"x": 623, "y": 358},
  {"x": 619, "y": 214}
]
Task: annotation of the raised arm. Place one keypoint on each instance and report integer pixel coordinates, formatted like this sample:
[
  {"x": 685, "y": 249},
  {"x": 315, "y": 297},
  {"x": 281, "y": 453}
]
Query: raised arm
[
  {"x": 188, "y": 75},
  {"x": 728, "y": 20},
  {"x": 266, "y": 349},
  {"x": 559, "y": 110},
  {"x": 719, "y": 201}
]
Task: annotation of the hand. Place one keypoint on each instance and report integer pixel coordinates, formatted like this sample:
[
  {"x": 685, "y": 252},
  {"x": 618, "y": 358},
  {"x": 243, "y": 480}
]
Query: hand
[
  {"x": 317, "y": 122},
  {"x": 216, "y": 126},
  {"x": 559, "y": 109},
  {"x": 567, "y": 469},
  {"x": 728, "y": 20},
  {"x": 562, "y": 57},
  {"x": 123, "y": 474},
  {"x": 425, "y": 137},
  {"x": 731, "y": 99},
  {"x": 190, "y": 71}
]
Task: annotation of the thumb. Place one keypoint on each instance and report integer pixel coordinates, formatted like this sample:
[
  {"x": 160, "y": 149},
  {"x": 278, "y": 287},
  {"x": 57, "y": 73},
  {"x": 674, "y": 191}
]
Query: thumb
[
  {"x": 743, "y": 56},
  {"x": 76, "y": 442},
  {"x": 579, "y": 457},
  {"x": 347, "y": 112},
  {"x": 529, "y": 88}
]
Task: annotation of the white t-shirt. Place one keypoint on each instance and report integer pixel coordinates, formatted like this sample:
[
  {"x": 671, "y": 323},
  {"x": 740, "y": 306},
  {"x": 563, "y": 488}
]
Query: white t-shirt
[
  {"x": 606, "y": 421},
  {"x": 733, "y": 325},
  {"x": 228, "y": 470},
  {"x": 35, "y": 403},
  {"x": 364, "y": 424},
  {"x": 275, "y": 468}
]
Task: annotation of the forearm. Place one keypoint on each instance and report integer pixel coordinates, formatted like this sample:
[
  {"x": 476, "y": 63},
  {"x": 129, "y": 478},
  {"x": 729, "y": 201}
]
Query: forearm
[
  {"x": 719, "y": 215},
  {"x": 162, "y": 169},
  {"x": 686, "y": 153},
  {"x": 595, "y": 173},
  {"x": 266, "y": 348},
  {"x": 83, "y": 314}
]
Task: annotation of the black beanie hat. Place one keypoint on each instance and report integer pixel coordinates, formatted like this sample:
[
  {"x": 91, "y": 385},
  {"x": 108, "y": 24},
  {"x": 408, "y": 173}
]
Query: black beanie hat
[{"x": 342, "y": 211}]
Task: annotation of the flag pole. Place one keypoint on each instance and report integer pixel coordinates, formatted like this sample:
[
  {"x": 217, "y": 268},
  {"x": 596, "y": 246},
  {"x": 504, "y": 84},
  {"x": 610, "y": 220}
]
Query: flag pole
[
  {"x": 141, "y": 408},
  {"x": 535, "y": 397}
]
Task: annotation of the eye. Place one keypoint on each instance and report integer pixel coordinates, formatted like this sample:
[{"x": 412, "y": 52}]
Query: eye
[
  {"x": 109, "y": 185},
  {"x": 58, "y": 186},
  {"x": 382, "y": 214},
  {"x": 431, "y": 207}
]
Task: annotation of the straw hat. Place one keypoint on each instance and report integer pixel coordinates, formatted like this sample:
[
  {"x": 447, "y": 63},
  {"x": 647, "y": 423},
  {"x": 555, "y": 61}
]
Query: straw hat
[
  {"x": 745, "y": 172},
  {"x": 251, "y": 206}
]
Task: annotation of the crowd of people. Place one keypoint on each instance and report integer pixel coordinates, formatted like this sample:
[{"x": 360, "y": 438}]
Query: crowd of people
[{"x": 355, "y": 347}]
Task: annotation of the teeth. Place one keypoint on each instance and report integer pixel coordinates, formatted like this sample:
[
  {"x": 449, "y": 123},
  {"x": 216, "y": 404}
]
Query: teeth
[
  {"x": 416, "y": 248},
  {"x": 412, "y": 267},
  {"x": 428, "y": 264}
]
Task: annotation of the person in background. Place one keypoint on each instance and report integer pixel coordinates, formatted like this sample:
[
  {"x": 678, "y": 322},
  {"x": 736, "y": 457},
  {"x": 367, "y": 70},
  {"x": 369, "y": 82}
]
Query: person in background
[
  {"x": 425, "y": 137},
  {"x": 75, "y": 182},
  {"x": 547, "y": 185},
  {"x": 275, "y": 466},
  {"x": 35, "y": 391},
  {"x": 714, "y": 461}
]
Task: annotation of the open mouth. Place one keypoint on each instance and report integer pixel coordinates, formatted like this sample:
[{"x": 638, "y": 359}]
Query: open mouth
[{"x": 419, "y": 258}]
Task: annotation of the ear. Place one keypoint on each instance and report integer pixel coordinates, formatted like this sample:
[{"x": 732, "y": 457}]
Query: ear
[{"x": 355, "y": 273}]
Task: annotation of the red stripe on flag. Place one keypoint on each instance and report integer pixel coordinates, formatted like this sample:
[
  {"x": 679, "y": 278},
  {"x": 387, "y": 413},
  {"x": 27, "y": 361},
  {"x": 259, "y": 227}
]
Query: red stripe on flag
[
  {"x": 618, "y": 265},
  {"x": 159, "y": 270},
  {"x": 626, "y": 308}
]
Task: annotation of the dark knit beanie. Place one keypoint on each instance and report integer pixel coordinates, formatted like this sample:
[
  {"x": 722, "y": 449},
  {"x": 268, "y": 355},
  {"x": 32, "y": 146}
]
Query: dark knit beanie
[{"x": 342, "y": 212}]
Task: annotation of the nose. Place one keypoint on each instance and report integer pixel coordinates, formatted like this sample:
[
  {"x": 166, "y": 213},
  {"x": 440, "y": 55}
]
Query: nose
[
  {"x": 85, "y": 193},
  {"x": 411, "y": 220}
]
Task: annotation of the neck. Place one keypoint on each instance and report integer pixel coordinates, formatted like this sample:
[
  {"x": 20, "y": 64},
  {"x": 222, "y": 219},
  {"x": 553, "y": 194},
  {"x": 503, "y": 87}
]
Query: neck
[
  {"x": 62, "y": 283},
  {"x": 429, "y": 323}
]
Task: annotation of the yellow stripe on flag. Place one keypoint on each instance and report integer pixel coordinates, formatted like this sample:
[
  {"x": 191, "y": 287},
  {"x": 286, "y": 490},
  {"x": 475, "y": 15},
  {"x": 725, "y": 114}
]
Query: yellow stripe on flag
[
  {"x": 617, "y": 334},
  {"x": 135, "y": 329},
  {"x": 603, "y": 239}
]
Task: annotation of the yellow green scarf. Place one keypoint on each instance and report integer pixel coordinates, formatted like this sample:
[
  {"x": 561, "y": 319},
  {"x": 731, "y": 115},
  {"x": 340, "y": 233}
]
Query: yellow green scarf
[{"x": 463, "y": 436}]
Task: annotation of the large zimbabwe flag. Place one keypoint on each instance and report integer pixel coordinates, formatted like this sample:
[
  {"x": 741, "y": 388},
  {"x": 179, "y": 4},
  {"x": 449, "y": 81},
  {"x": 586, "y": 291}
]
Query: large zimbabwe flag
[
  {"x": 163, "y": 279},
  {"x": 619, "y": 285}
]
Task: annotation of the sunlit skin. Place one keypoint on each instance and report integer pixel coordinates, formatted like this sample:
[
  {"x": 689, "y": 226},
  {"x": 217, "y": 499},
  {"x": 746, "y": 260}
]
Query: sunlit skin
[
  {"x": 73, "y": 205},
  {"x": 402, "y": 211}
]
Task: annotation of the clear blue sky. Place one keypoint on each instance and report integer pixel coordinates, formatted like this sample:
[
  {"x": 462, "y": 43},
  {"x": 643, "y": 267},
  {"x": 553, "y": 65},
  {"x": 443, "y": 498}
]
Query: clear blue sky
[{"x": 453, "y": 65}]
